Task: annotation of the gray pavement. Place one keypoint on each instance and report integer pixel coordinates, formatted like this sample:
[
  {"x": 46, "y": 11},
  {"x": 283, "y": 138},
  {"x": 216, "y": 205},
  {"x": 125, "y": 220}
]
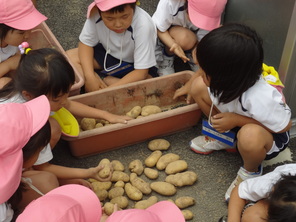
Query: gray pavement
[{"x": 215, "y": 171}]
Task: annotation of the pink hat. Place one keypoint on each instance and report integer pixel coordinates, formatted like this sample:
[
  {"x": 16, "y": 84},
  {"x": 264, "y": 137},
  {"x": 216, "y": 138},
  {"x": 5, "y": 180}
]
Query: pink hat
[
  {"x": 162, "y": 211},
  {"x": 105, "y": 5},
  {"x": 18, "y": 122},
  {"x": 206, "y": 14},
  {"x": 20, "y": 14},
  {"x": 70, "y": 202}
]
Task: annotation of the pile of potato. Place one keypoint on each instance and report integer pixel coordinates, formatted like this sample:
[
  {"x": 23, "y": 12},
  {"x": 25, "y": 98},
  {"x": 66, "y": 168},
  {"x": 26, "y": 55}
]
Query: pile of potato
[
  {"x": 135, "y": 112},
  {"x": 133, "y": 186}
]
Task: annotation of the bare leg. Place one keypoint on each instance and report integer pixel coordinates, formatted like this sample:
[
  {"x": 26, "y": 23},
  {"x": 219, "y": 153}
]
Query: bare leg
[
  {"x": 253, "y": 143},
  {"x": 43, "y": 181}
]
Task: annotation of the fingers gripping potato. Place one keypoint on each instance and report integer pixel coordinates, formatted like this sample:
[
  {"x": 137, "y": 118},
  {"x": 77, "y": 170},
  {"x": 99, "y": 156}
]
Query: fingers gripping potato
[{"x": 106, "y": 171}]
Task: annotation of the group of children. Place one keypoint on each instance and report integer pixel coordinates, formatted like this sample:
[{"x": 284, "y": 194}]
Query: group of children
[{"x": 121, "y": 43}]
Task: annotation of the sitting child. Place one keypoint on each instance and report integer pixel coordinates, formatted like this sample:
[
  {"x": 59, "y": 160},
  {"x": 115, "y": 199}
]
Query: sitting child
[{"x": 117, "y": 41}]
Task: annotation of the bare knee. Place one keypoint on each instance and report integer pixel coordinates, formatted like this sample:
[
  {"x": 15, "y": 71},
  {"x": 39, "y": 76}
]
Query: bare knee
[{"x": 184, "y": 37}]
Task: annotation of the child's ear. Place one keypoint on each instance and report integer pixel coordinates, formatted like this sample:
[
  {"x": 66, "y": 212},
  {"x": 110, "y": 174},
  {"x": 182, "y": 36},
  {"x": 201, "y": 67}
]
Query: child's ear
[{"x": 27, "y": 96}]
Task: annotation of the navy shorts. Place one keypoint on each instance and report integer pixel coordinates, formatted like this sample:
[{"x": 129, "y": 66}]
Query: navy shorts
[{"x": 99, "y": 55}]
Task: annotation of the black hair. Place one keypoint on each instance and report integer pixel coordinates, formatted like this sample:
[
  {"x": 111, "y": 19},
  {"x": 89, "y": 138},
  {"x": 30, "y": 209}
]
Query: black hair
[
  {"x": 282, "y": 200},
  {"x": 4, "y": 29},
  {"x": 120, "y": 8},
  {"x": 43, "y": 71},
  {"x": 36, "y": 143},
  {"x": 231, "y": 57}
]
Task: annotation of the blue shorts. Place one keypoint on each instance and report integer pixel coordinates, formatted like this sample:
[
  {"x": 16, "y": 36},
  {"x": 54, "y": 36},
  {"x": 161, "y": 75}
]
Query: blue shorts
[{"x": 125, "y": 68}]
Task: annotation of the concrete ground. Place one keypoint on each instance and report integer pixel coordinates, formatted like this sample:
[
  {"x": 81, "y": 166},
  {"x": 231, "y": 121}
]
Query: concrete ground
[{"x": 215, "y": 171}]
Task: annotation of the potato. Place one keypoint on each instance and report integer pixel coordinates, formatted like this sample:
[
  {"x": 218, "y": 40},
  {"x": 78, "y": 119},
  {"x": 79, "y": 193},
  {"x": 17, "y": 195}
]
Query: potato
[
  {"x": 182, "y": 179},
  {"x": 151, "y": 160},
  {"x": 136, "y": 166},
  {"x": 139, "y": 183},
  {"x": 99, "y": 125},
  {"x": 121, "y": 201},
  {"x": 164, "y": 160},
  {"x": 98, "y": 185},
  {"x": 108, "y": 208},
  {"x": 115, "y": 192},
  {"x": 134, "y": 112},
  {"x": 176, "y": 167},
  {"x": 106, "y": 171},
  {"x": 119, "y": 175},
  {"x": 87, "y": 123},
  {"x": 185, "y": 201},
  {"x": 119, "y": 184},
  {"x": 163, "y": 188},
  {"x": 159, "y": 144},
  {"x": 151, "y": 173},
  {"x": 188, "y": 215},
  {"x": 150, "y": 109},
  {"x": 117, "y": 165},
  {"x": 132, "y": 192},
  {"x": 101, "y": 194},
  {"x": 143, "y": 204}
]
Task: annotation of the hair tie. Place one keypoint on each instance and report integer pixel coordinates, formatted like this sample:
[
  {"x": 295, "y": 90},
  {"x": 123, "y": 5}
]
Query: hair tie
[
  {"x": 24, "y": 48},
  {"x": 138, "y": 3}
]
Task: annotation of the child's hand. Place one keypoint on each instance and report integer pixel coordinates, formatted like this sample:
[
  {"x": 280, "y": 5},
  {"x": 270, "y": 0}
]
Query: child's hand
[
  {"x": 223, "y": 122},
  {"x": 177, "y": 50},
  {"x": 95, "y": 173},
  {"x": 94, "y": 83},
  {"x": 112, "y": 118},
  {"x": 184, "y": 91}
]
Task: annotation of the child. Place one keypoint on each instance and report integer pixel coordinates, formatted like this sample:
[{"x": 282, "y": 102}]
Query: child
[
  {"x": 271, "y": 197},
  {"x": 119, "y": 38},
  {"x": 64, "y": 204},
  {"x": 230, "y": 90},
  {"x": 76, "y": 203},
  {"x": 47, "y": 72},
  {"x": 33, "y": 183},
  {"x": 23, "y": 120},
  {"x": 17, "y": 18},
  {"x": 180, "y": 25}
]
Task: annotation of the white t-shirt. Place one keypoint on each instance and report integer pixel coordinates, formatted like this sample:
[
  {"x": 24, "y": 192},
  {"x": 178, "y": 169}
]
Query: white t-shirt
[
  {"x": 261, "y": 102},
  {"x": 138, "y": 42},
  {"x": 257, "y": 188},
  {"x": 7, "y": 52},
  {"x": 6, "y": 213},
  {"x": 46, "y": 154},
  {"x": 171, "y": 12}
]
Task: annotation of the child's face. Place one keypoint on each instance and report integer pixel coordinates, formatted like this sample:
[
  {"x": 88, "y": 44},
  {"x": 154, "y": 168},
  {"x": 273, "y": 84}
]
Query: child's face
[
  {"x": 58, "y": 102},
  {"x": 15, "y": 37},
  {"x": 118, "y": 22}
]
